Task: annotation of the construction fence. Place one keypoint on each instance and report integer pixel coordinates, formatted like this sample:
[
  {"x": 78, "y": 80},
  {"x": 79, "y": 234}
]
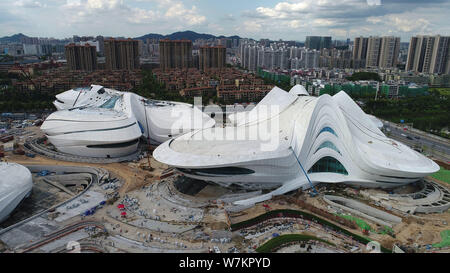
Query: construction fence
[
  {"x": 276, "y": 77},
  {"x": 356, "y": 90}
]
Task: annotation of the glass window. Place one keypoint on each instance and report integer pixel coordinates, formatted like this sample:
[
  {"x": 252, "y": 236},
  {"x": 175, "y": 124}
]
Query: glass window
[
  {"x": 110, "y": 103},
  {"x": 328, "y": 164},
  {"x": 328, "y": 144},
  {"x": 219, "y": 171},
  {"x": 115, "y": 145},
  {"x": 328, "y": 129}
]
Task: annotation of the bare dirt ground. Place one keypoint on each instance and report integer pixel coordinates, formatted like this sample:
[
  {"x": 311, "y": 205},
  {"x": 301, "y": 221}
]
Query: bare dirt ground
[
  {"x": 420, "y": 229},
  {"x": 134, "y": 177}
]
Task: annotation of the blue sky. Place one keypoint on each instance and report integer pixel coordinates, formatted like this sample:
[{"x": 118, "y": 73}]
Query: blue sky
[{"x": 273, "y": 19}]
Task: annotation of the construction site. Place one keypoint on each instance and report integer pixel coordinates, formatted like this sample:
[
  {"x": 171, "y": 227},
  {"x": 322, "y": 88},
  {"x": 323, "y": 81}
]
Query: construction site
[{"x": 137, "y": 204}]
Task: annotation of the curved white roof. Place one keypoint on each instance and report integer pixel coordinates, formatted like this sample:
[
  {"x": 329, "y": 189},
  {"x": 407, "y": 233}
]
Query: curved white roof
[
  {"x": 87, "y": 115},
  {"x": 275, "y": 102},
  {"x": 15, "y": 183},
  {"x": 298, "y": 90},
  {"x": 376, "y": 121},
  {"x": 106, "y": 122},
  {"x": 334, "y": 140}
]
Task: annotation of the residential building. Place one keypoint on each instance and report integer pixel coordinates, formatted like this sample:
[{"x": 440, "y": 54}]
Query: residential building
[
  {"x": 81, "y": 57},
  {"x": 360, "y": 50},
  {"x": 318, "y": 42},
  {"x": 390, "y": 47},
  {"x": 212, "y": 57},
  {"x": 429, "y": 54},
  {"x": 121, "y": 54},
  {"x": 175, "y": 54}
]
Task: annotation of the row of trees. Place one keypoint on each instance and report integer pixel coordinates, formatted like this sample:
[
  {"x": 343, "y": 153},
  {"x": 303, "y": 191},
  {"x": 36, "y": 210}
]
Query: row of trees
[
  {"x": 12, "y": 100},
  {"x": 428, "y": 113}
]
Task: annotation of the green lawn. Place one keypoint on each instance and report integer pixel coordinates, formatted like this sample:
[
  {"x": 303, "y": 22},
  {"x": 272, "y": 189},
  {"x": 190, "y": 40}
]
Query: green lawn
[
  {"x": 442, "y": 91},
  {"x": 443, "y": 175},
  {"x": 360, "y": 222},
  {"x": 445, "y": 239},
  {"x": 284, "y": 239},
  {"x": 304, "y": 215}
]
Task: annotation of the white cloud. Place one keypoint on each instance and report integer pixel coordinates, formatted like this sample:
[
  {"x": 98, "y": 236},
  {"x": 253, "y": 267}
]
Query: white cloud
[
  {"x": 320, "y": 22},
  {"x": 275, "y": 19},
  {"x": 172, "y": 13},
  {"x": 29, "y": 4},
  {"x": 284, "y": 9},
  {"x": 352, "y": 17},
  {"x": 402, "y": 22},
  {"x": 296, "y": 24},
  {"x": 179, "y": 11}
]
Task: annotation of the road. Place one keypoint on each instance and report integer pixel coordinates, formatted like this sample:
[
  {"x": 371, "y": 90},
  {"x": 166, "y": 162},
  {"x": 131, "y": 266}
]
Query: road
[
  {"x": 63, "y": 232},
  {"x": 439, "y": 148}
]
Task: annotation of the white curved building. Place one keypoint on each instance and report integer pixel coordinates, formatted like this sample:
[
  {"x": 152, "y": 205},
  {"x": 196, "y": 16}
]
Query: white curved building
[
  {"x": 101, "y": 122},
  {"x": 293, "y": 140},
  {"x": 15, "y": 184}
]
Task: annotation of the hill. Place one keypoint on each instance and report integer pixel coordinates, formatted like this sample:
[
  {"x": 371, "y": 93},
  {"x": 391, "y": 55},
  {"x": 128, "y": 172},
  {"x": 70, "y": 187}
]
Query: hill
[
  {"x": 189, "y": 35},
  {"x": 12, "y": 39}
]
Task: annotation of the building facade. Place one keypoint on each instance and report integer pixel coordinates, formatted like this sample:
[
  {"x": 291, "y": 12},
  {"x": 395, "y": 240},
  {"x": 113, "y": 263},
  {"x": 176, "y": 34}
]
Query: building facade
[
  {"x": 212, "y": 57},
  {"x": 381, "y": 51},
  {"x": 175, "y": 54},
  {"x": 121, "y": 54},
  {"x": 326, "y": 139},
  {"x": 389, "y": 51},
  {"x": 318, "y": 42},
  {"x": 81, "y": 57},
  {"x": 360, "y": 51},
  {"x": 429, "y": 54},
  {"x": 373, "y": 52}
]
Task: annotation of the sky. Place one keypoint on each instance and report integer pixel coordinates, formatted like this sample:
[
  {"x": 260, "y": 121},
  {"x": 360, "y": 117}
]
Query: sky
[{"x": 257, "y": 19}]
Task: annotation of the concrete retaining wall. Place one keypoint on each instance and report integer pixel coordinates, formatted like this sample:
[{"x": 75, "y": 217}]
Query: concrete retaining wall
[{"x": 362, "y": 210}]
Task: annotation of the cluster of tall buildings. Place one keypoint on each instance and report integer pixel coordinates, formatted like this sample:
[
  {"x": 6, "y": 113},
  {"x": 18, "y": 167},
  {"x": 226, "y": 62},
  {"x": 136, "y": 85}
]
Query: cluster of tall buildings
[
  {"x": 281, "y": 56},
  {"x": 149, "y": 49},
  {"x": 98, "y": 42},
  {"x": 33, "y": 46},
  {"x": 120, "y": 54},
  {"x": 254, "y": 55},
  {"x": 426, "y": 54},
  {"x": 318, "y": 42},
  {"x": 175, "y": 54},
  {"x": 429, "y": 54}
]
